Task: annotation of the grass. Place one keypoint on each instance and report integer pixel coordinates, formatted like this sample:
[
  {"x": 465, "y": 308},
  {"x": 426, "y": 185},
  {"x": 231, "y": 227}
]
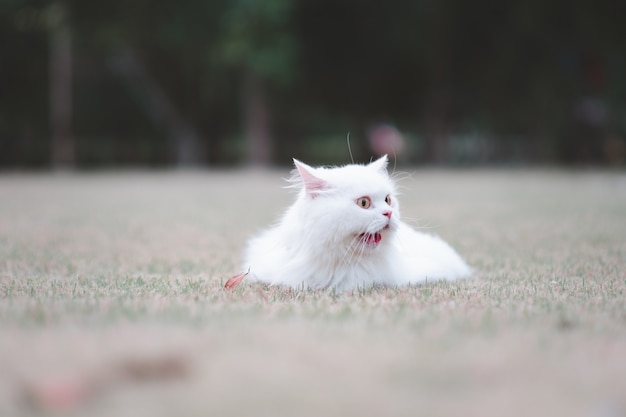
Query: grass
[{"x": 111, "y": 302}]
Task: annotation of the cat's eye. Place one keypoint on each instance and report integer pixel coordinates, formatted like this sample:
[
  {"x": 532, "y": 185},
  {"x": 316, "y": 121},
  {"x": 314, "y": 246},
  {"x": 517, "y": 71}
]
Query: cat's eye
[
  {"x": 364, "y": 202},
  {"x": 388, "y": 200}
]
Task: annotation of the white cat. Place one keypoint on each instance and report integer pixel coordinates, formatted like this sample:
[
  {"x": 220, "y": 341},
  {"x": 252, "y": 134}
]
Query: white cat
[{"x": 344, "y": 232}]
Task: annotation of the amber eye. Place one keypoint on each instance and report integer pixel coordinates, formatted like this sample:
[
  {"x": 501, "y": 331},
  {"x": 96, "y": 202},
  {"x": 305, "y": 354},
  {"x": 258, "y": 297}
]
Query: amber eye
[
  {"x": 364, "y": 202},
  {"x": 388, "y": 200}
]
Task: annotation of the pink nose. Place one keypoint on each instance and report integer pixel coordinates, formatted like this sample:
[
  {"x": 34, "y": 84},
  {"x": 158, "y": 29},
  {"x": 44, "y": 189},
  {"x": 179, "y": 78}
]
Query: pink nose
[{"x": 387, "y": 214}]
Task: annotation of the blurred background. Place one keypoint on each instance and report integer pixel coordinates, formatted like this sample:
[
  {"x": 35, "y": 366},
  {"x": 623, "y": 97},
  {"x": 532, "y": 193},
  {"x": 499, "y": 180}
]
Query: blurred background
[{"x": 90, "y": 84}]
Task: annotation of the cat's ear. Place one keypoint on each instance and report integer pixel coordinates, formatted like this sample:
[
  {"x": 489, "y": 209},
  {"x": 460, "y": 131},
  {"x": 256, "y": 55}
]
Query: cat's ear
[
  {"x": 380, "y": 165},
  {"x": 312, "y": 183}
]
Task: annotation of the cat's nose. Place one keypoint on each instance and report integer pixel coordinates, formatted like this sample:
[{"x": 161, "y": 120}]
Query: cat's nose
[{"x": 387, "y": 214}]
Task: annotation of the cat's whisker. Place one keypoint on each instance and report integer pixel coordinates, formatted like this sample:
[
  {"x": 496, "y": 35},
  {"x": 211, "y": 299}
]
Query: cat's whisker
[
  {"x": 349, "y": 148},
  {"x": 352, "y": 249},
  {"x": 417, "y": 223},
  {"x": 346, "y": 253},
  {"x": 356, "y": 248},
  {"x": 426, "y": 226},
  {"x": 401, "y": 175}
]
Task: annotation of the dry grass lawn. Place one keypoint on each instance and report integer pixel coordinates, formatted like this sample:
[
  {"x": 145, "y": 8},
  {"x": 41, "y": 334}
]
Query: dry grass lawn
[{"x": 111, "y": 302}]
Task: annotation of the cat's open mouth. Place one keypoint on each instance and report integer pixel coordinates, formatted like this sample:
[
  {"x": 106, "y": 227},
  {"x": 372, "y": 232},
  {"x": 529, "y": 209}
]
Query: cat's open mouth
[{"x": 372, "y": 239}]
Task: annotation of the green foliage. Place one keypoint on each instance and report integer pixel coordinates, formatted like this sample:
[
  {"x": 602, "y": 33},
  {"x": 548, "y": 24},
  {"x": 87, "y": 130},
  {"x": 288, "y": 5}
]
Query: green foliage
[{"x": 255, "y": 37}]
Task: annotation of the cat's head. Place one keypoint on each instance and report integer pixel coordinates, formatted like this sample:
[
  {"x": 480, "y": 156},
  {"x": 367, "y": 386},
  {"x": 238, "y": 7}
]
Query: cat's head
[{"x": 354, "y": 206}]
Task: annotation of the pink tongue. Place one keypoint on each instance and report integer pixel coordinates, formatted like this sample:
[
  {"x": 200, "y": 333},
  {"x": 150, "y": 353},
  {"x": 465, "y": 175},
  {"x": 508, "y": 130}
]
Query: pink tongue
[{"x": 374, "y": 238}]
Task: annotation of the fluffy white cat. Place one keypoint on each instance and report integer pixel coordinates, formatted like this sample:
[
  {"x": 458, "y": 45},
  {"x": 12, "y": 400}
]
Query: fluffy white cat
[{"x": 344, "y": 232}]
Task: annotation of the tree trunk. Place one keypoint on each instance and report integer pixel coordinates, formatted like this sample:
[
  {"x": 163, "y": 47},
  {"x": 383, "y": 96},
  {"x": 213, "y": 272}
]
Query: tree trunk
[
  {"x": 63, "y": 149},
  {"x": 162, "y": 111},
  {"x": 256, "y": 121}
]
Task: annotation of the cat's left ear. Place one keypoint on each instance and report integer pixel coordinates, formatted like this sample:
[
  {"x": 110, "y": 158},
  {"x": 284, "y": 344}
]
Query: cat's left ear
[
  {"x": 312, "y": 183},
  {"x": 380, "y": 165}
]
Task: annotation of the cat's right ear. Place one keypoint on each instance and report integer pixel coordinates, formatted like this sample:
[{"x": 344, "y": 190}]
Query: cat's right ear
[
  {"x": 312, "y": 183},
  {"x": 380, "y": 164}
]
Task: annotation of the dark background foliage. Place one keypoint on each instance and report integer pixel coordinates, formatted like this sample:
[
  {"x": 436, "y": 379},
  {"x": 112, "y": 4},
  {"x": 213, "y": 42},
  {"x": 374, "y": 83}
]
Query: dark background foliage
[{"x": 158, "y": 83}]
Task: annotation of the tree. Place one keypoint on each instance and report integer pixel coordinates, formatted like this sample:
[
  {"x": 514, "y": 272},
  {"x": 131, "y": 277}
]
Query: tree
[
  {"x": 256, "y": 43},
  {"x": 63, "y": 147}
]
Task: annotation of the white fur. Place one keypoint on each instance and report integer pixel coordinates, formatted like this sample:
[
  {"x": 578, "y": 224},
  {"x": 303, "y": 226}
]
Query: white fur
[{"x": 316, "y": 244}]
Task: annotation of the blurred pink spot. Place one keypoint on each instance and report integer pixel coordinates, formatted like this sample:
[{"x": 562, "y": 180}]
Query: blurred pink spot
[{"x": 385, "y": 140}]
